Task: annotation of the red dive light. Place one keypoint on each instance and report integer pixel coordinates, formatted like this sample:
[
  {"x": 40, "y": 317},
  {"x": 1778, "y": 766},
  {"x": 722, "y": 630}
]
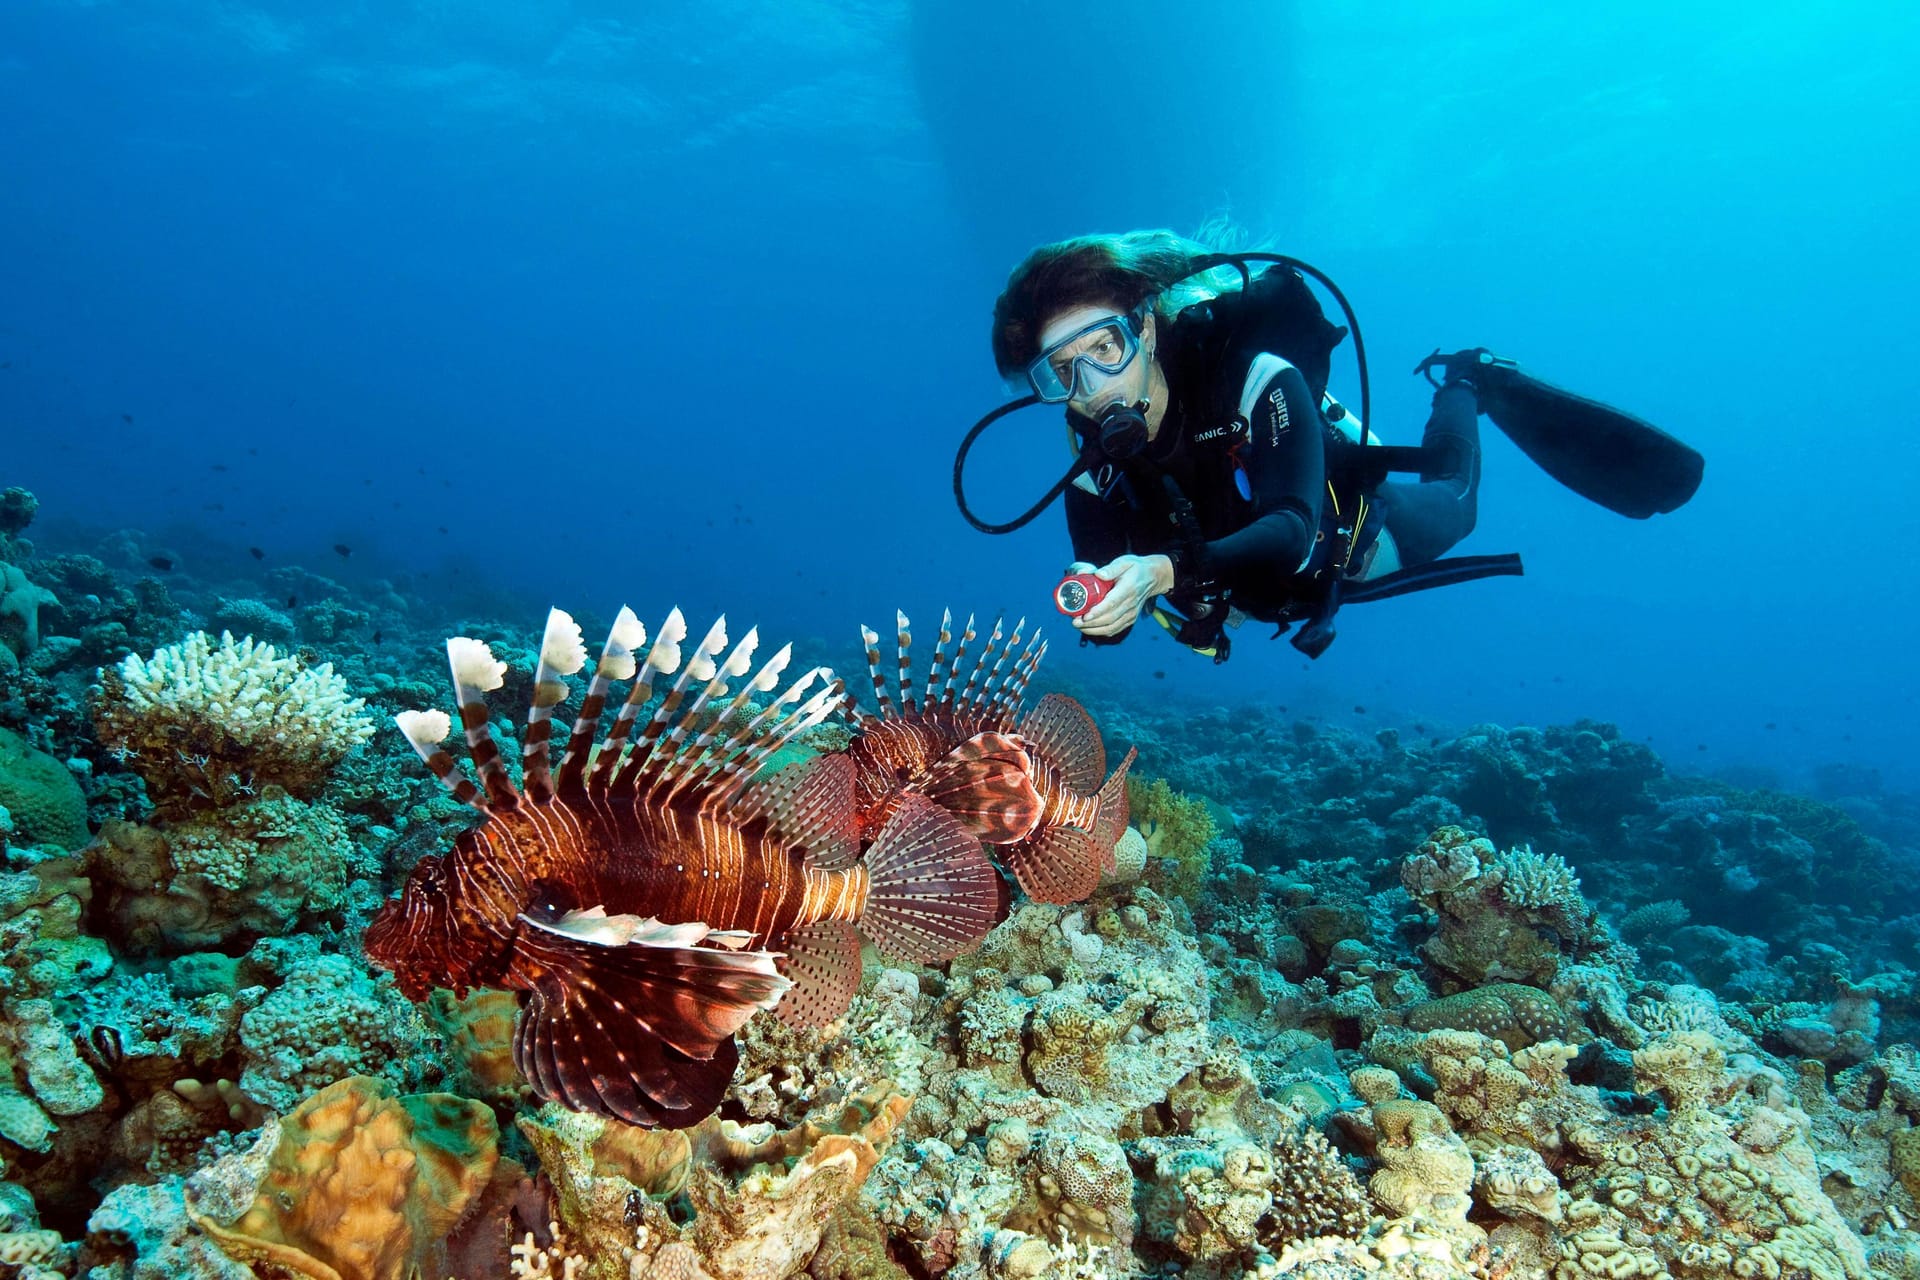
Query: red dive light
[{"x": 1079, "y": 592}]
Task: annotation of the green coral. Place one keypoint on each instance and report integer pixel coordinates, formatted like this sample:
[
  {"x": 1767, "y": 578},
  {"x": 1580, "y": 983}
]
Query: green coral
[
  {"x": 46, "y": 804},
  {"x": 1179, "y": 831}
]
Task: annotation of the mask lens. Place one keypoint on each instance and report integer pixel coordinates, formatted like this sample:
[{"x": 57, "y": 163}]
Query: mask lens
[{"x": 1103, "y": 347}]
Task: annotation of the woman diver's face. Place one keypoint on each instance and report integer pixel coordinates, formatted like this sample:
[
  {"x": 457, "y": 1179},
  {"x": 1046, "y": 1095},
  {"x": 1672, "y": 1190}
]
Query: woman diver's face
[{"x": 1095, "y": 391}]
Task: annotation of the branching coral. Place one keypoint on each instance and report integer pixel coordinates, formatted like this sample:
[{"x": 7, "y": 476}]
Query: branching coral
[{"x": 208, "y": 723}]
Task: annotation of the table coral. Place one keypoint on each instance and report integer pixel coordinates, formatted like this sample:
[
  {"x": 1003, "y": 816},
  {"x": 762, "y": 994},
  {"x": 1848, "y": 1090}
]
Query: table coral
[{"x": 364, "y": 1184}]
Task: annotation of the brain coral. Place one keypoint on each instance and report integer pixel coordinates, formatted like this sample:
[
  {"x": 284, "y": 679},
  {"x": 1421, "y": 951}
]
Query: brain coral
[{"x": 45, "y": 802}]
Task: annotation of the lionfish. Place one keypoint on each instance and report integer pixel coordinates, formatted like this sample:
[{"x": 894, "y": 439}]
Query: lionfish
[
  {"x": 654, "y": 892},
  {"x": 1028, "y": 785}
]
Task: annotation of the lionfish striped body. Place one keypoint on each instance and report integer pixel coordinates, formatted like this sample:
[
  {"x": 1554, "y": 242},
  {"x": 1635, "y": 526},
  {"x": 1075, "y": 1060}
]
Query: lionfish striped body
[
  {"x": 1027, "y": 784},
  {"x": 655, "y": 894}
]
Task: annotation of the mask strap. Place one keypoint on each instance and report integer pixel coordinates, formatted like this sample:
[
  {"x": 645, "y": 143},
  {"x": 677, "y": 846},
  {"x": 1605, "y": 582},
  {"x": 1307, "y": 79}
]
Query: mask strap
[{"x": 1089, "y": 455}]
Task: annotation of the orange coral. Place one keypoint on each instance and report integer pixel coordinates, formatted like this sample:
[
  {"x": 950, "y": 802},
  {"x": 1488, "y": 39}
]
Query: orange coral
[{"x": 363, "y": 1184}]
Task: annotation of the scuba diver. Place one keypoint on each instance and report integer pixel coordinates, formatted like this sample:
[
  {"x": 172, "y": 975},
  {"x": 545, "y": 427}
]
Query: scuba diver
[{"x": 1214, "y": 477}]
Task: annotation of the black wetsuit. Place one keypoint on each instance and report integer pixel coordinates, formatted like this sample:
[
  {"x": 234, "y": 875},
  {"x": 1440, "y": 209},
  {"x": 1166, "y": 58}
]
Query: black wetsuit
[{"x": 1276, "y": 513}]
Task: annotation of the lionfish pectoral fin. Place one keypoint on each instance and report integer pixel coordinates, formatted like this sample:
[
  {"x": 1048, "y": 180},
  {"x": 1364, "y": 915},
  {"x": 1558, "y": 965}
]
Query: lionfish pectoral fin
[
  {"x": 987, "y": 783},
  {"x": 1060, "y": 865},
  {"x": 1060, "y": 729},
  {"x": 933, "y": 893},
  {"x": 812, "y": 804},
  {"x": 823, "y": 960},
  {"x": 643, "y": 1030}
]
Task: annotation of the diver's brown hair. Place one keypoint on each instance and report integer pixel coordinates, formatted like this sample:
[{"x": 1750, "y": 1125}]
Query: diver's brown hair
[{"x": 1120, "y": 271}]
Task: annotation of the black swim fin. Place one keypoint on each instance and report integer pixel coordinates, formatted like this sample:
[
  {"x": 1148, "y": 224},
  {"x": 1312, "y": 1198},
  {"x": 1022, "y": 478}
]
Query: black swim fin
[{"x": 1625, "y": 464}]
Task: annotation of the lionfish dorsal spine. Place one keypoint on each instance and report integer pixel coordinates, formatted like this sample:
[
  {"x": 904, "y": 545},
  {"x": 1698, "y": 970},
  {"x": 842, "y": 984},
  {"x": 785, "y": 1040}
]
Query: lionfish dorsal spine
[
  {"x": 716, "y": 756},
  {"x": 968, "y": 694},
  {"x": 883, "y": 704},
  {"x": 562, "y": 652},
  {"x": 662, "y": 659},
  {"x": 686, "y": 762},
  {"x": 647, "y": 744},
  {"x": 903, "y": 647},
  {"x": 928, "y": 698},
  {"x": 990, "y": 692},
  {"x": 426, "y": 730},
  {"x": 967, "y": 635},
  {"x": 659, "y": 746},
  {"x": 735, "y": 773},
  {"x": 616, "y": 662},
  {"x": 476, "y": 672},
  {"x": 1007, "y": 700}
]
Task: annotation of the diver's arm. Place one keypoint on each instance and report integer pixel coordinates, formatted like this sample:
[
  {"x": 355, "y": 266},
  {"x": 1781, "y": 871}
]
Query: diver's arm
[
  {"x": 1097, "y": 528},
  {"x": 1286, "y": 462}
]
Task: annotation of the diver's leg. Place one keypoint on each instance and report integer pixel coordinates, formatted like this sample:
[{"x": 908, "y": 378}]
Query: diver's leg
[{"x": 1429, "y": 517}]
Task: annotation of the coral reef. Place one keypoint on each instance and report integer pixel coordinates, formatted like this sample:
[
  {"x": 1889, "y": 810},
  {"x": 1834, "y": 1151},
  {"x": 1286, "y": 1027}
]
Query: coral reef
[{"x": 1506, "y": 1003}]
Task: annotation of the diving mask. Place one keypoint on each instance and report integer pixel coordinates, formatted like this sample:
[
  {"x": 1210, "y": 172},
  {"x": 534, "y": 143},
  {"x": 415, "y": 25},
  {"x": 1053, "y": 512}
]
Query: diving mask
[{"x": 1078, "y": 363}]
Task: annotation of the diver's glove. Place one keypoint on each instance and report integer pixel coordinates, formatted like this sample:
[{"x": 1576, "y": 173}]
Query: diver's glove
[{"x": 1136, "y": 580}]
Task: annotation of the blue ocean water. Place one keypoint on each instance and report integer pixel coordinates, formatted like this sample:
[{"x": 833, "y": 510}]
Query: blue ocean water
[{"x": 574, "y": 302}]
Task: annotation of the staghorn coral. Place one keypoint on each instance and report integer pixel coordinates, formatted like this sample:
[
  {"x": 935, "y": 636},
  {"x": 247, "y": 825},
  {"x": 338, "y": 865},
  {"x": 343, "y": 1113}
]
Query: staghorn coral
[
  {"x": 207, "y": 724},
  {"x": 361, "y": 1184}
]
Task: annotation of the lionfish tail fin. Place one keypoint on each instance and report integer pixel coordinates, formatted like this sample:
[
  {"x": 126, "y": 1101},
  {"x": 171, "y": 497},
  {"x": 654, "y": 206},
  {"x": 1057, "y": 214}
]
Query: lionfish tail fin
[
  {"x": 932, "y": 893},
  {"x": 1060, "y": 865}
]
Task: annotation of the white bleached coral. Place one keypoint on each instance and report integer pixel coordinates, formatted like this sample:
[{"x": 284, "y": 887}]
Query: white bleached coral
[{"x": 209, "y": 722}]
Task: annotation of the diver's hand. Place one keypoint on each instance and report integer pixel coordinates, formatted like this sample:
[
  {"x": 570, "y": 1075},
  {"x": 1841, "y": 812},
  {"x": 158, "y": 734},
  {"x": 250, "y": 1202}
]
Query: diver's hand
[{"x": 1136, "y": 580}]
